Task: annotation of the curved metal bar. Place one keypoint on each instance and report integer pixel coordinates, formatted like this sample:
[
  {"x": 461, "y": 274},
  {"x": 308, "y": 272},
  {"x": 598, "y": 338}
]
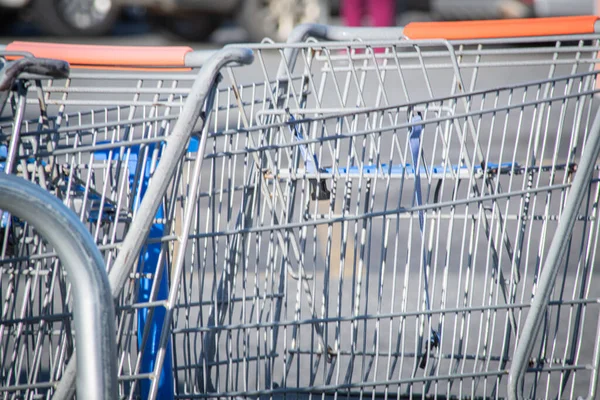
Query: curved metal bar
[
  {"x": 93, "y": 310},
  {"x": 35, "y": 66},
  {"x": 342, "y": 33},
  {"x": 174, "y": 150}
]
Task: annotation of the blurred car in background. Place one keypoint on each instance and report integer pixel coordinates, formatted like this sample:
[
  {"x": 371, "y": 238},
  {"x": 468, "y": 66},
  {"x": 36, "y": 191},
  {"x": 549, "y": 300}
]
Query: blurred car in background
[
  {"x": 63, "y": 17},
  {"x": 491, "y": 9},
  {"x": 480, "y": 9},
  {"x": 189, "y": 19},
  {"x": 550, "y": 8},
  {"x": 196, "y": 20}
]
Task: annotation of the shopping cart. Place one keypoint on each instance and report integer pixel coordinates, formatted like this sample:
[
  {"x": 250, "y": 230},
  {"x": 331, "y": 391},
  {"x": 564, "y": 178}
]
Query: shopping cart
[
  {"x": 399, "y": 207},
  {"x": 52, "y": 234},
  {"x": 375, "y": 222},
  {"x": 92, "y": 140}
]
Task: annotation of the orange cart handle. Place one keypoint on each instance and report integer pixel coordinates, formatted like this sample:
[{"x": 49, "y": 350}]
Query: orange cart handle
[
  {"x": 496, "y": 29},
  {"x": 134, "y": 57}
]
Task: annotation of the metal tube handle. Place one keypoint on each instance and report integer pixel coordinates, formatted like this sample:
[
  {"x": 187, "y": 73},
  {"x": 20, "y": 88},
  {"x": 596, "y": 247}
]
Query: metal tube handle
[
  {"x": 556, "y": 254},
  {"x": 93, "y": 307},
  {"x": 45, "y": 67},
  {"x": 452, "y": 30},
  {"x": 439, "y": 30},
  {"x": 342, "y": 33}
]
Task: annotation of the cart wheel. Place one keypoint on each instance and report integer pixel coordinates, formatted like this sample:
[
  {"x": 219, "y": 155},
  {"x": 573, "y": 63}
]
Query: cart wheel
[
  {"x": 195, "y": 27},
  {"x": 275, "y": 19},
  {"x": 74, "y": 17}
]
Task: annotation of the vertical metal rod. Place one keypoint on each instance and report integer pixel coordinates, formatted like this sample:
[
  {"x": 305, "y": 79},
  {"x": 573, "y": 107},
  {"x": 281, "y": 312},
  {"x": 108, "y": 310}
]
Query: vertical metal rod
[
  {"x": 594, "y": 380},
  {"x": 556, "y": 253},
  {"x": 16, "y": 134}
]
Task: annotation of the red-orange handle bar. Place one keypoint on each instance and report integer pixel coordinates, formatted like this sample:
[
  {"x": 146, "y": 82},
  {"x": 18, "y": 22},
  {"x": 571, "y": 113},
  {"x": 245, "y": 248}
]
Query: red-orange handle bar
[
  {"x": 132, "y": 57},
  {"x": 496, "y": 29}
]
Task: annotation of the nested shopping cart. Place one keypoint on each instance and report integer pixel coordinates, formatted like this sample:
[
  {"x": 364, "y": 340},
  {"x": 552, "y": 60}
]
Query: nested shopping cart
[
  {"x": 47, "y": 248},
  {"x": 93, "y": 139},
  {"x": 418, "y": 202}
]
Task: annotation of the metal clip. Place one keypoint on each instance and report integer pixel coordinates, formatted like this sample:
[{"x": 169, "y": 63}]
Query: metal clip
[
  {"x": 318, "y": 190},
  {"x": 432, "y": 344}
]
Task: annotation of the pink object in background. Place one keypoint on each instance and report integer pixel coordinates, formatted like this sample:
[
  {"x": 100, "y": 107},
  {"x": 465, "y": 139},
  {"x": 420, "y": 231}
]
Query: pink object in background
[{"x": 381, "y": 13}]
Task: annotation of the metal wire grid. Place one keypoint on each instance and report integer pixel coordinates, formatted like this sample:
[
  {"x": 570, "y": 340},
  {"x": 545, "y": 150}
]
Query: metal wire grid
[
  {"x": 91, "y": 140},
  {"x": 201, "y": 362},
  {"x": 80, "y": 138},
  {"x": 40, "y": 340},
  {"x": 36, "y": 326},
  {"x": 283, "y": 294}
]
